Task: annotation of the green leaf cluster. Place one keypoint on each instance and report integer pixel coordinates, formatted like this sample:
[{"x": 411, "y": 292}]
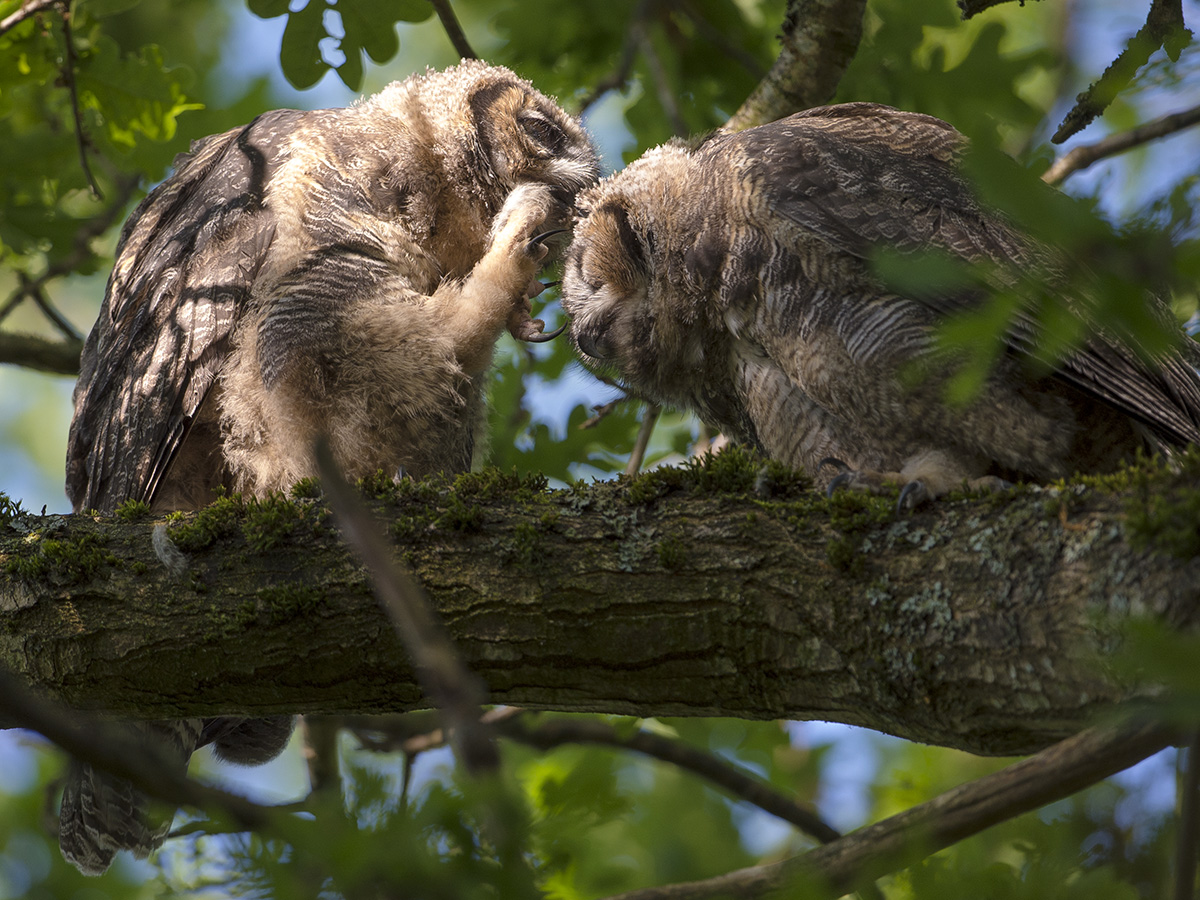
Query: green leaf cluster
[{"x": 353, "y": 28}]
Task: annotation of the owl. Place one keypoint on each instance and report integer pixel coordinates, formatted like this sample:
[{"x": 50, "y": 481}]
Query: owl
[
  {"x": 733, "y": 278},
  {"x": 342, "y": 273}
]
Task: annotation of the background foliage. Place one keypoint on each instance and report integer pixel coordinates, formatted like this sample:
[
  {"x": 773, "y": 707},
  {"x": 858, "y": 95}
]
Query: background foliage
[{"x": 578, "y": 822}]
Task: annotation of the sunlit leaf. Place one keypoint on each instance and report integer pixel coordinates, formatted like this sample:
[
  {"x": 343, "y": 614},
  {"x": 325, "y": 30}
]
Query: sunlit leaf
[{"x": 300, "y": 51}]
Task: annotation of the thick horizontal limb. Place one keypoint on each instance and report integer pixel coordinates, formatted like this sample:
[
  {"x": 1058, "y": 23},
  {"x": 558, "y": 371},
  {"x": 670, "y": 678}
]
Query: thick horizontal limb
[{"x": 975, "y": 623}]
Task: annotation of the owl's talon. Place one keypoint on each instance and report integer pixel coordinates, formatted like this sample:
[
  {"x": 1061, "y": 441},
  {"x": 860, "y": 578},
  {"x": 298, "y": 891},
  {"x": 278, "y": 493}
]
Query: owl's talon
[
  {"x": 835, "y": 462},
  {"x": 536, "y": 287},
  {"x": 541, "y": 337},
  {"x": 912, "y": 495},
  {"x": 838, "y": 481},
  {"x": 538, "y": 240}
]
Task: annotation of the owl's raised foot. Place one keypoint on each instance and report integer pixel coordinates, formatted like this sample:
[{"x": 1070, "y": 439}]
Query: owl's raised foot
[
  {"x": 521, "y": 324},
  {"x": 912, "y": 493},
  {"x": 530, "y": 331}
]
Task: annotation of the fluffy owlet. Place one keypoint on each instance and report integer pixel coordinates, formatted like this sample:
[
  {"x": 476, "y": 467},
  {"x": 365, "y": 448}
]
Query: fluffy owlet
[
  {"x": 733, "y": 279},
  {"x": 342, "y": 272}
]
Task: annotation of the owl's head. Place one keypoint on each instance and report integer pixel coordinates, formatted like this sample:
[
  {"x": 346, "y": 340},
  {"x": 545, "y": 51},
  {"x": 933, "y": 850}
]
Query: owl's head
[
  {"x": 628, "y": 288},
  {"x": 496, "y": 127}
]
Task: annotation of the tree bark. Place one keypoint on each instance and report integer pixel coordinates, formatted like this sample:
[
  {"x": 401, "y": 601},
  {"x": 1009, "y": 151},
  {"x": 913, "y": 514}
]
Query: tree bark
[{"x": 974, "y": 623}]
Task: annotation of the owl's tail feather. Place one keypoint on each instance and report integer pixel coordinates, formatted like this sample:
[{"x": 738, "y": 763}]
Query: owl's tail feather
[{"x": 102, "y": 813}]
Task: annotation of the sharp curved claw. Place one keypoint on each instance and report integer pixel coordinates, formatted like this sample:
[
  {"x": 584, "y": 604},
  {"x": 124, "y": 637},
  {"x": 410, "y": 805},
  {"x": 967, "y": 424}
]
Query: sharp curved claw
[
  {"x": 838, "y": 481},
  {"x": 540, "y": 337},
  {"x": 835, "y": 462},
  {"x": 538, "y": 239},
  {"x": 550, "y": 284},
  {"x": 912, "y": 488}
]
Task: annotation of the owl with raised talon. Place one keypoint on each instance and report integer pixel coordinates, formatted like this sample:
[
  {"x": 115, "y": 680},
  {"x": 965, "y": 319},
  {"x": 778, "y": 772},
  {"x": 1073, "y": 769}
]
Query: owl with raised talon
[{"x": 342, "y": 273}]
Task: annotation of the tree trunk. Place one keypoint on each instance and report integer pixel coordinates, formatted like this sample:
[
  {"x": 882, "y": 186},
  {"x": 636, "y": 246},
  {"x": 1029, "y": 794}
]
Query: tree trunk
[{"x": 975, "y": 623}]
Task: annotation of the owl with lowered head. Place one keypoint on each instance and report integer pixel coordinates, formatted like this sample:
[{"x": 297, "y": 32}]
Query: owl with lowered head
[
  {"x": 341, "y": 273},
  {"x": 733, "y": 279}
]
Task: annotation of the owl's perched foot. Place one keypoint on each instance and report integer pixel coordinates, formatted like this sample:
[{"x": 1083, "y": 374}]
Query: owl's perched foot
[
  {"x": 924, "y": 477},
  {"x": 912, "y": 493}
]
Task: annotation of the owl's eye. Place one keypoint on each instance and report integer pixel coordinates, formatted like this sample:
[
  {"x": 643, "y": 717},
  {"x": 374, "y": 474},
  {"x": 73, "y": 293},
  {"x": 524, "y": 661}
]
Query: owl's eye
[{"x": 543, "y": 131}]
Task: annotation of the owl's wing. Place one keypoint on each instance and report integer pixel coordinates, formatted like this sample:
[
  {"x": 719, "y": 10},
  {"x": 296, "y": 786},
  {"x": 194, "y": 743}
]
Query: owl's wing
[
  {"x": 861, "y": 176},
  {"x": 186, "y": 262}
]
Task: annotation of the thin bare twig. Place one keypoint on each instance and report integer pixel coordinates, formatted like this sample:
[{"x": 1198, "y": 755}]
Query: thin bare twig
[
  {"x": 1081, "y": 157},
  {"x": 68, "y": 70},
  {"x": 414, "y": 732},
  {"x": 59, "y": 357},
  {"x": 1164, "y": 28},
  {"x": 910, "y": 836},
  {"x": 80, "y": 248},
  {"x": 320, "y": 735},
  {"x": 24, "y": 11},
  {"x": 456, "y": 691},
  {"x": 33, "y": 352},
  {"x": 601, "y": 412},
  {"x": 638, "y": 455},
  {"x": 453, "y": 29},
  {"x": 38, "y": 296},
  {"x": 1189, "y": 823},
  {"x": 550, "y": 733},
  {"x": 405, "y": 734}
]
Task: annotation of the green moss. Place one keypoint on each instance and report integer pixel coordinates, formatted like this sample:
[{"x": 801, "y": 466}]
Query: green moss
[
  {"x": 774, "y": 478},
  {"x": 859, "y": 510},
  {"x": 735, "y": 470},
  {"x": 66, "y": 561},
  {"x": 492, "y": 484},
  {"x": 279, "y": 603},
  {"x": 526, "y": 542},
  {"x": 306, "y": 489},
  {"x": 854, "y": 513},
  {"x": 10, "y": 510},
  {"x": 269, "y": 521},
  {"x": 1169, "y": 522},
  {"x": 842, "y": 553},
  {"x": 131, "y": 510},
  {"x": 411, "y": 527},
  {"x": 382, "y": 486},
  {"x": 216, "y": 520},
  {"x": 671, "y": 554},
  {"x": 460, "y": 516}
]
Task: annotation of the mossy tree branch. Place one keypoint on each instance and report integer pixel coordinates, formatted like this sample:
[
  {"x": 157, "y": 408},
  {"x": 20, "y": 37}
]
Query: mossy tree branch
[{"x": 717, "y": 590}]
